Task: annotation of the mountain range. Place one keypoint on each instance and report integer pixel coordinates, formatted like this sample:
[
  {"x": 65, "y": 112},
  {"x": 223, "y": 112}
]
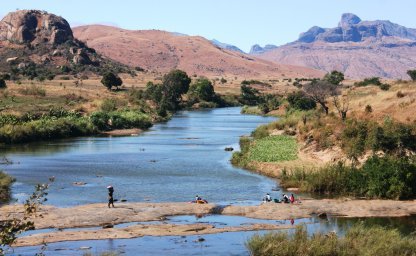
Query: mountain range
[
  {"x": 161, "y": 51},
  {"x": 357, "y": 48}
]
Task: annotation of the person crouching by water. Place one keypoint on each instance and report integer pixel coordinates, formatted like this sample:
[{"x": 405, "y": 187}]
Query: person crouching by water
[
  {"x": 267, "y": 198},
  {"x": 110, "y": 196},
  {"x": 286, "y": 199}
]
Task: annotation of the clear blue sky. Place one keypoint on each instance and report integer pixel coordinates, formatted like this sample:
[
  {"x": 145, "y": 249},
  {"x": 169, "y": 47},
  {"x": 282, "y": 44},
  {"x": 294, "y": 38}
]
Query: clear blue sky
[{"x": 239, "y": 22}]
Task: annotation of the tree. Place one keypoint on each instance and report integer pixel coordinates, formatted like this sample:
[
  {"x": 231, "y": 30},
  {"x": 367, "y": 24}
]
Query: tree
[
  {"x": 342, "y": 104},
  {"x": 299, "y": 100},
  {"x": 250, "y": 96},
  {"x": 2, "y": 84},
  {"x": 319, "y": 91},
  {"x": 110, "y": 79},
  {"x": 412, "y": 74},
  {"x": 175, "y": 83},
  {"x": 334, "y": 77},
  {"x": 203, "y": 90}
]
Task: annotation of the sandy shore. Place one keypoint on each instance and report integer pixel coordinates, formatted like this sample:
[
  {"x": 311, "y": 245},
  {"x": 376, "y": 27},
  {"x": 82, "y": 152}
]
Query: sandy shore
[
  {"x": 123, "y": 132},
  {"x": 97, "y": 215}
]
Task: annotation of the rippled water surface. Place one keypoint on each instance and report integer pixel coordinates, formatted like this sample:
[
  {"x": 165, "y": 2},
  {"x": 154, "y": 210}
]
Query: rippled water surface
[{"x": 173, "y": 161}]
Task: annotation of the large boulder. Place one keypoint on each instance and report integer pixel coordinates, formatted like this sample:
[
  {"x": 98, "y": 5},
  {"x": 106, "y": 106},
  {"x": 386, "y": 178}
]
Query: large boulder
[
  {"x": 33, "y": 26},
  {"x": 348, "y": 19}
]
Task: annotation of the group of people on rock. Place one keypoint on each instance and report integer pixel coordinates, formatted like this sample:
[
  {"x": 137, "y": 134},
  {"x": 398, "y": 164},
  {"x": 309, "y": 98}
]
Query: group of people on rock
[
  {"x": 285, "y": 199},
  {"x": 199, "y": 200}
]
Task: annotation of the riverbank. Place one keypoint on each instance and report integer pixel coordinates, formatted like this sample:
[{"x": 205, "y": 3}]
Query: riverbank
[
  {"x": 5, "y": 184},
  {"x": 98, "y": 215}
]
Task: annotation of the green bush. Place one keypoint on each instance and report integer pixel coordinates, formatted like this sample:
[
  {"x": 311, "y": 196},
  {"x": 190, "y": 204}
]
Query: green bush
[
  {"x": 358, "y": 240},
  {"x": 120, "y": 120},
  {"x": 379, "y": 177},
  {"x": 108, "y": 105},
  {"x": 369, "y": 81},
  {"x": 5, "y": 184},
  {"x": 2, "y": 84},
  {"x": 300, "y": 101}
]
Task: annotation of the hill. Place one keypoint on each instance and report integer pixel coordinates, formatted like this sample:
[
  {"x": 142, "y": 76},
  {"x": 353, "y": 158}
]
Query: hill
[
  {"x": 161, "y": 51},
  {"x": 357, "y": 48},
  {"x": 36, "y": 43}
]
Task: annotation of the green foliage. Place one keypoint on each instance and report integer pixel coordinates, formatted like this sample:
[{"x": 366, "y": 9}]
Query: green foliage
[
  {"x": 46, "y": 128},
  {"x": 384, "y": 87},
  {"x": 359, "y": 240},
  {"x": 2, "y": 84},
  {"x": 300, "y": 101},
  {"x": 369, "y": 81},
  {"x": 5, "y": 184},
  {"x": 201, "y": 90},
  {"x": 110, "y": 79},
  {"x": 174, "y": 85},
  {"x": 249, "y": 96},
  {"x": 412, "y": 74},
  {"x": 11, "y": 228},
  {"x": 120, "y": 120},
  {"x": 334, "y": 77},
  {"x": 153, "y": 92},
  {"x": 257, "y": 82},
  {"x": 108, "y": 105},
  {"x": 273, "y": 149},
  {"x": 379, "y": 177},
  {"x": 265, "y": 148},
  {"x": 390, "y": 137}
]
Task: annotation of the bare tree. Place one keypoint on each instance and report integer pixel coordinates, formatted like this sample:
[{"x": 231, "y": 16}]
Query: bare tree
[
  {"x": 319, "y": 91},
  {"x": 342, "y": 104}
]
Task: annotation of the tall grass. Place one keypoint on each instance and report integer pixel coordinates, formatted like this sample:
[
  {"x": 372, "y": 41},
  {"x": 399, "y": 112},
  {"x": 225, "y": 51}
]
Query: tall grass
[
  {"x": 57, "y": 124},
  {"x": 359, "y": 240},
  {"x": 379, "y": 177}
]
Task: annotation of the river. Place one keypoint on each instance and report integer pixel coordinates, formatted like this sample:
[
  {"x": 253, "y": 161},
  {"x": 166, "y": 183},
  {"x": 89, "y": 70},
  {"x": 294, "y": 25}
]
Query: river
[{"x": 172, "y": 162}]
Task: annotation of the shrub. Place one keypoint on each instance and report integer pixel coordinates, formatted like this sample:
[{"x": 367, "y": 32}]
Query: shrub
[
  {"x": 368, "y": 109},
  {"x": 108, "y": 105},
  {"x": 384, "y": 87},
  {"x": 400, "y": 94},
  {"x": 379, "y": 177},
  {"x": 110, "y": 79},
  {"x": 5, "y": 183},
  {"x": 369, "y": 81},
  {"x": 2, "y": 84},
  {"x": 334, "y": 77},
  {"x": 412, "y": 74},
  {"x": 223, "y": 80},
  {"x": 299, "y": 100}
]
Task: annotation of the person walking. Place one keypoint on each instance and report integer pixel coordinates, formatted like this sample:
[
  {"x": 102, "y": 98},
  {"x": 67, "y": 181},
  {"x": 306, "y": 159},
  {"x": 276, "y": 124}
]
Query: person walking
[{"x": 110, "y": 196}]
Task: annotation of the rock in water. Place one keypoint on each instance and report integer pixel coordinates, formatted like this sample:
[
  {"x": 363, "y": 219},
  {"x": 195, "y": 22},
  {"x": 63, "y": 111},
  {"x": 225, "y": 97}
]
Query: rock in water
[{"x": 33, "y": 26}]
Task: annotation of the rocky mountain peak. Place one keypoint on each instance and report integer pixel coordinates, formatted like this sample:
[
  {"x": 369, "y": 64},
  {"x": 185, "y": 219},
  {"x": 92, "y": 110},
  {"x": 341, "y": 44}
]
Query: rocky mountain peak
[
  {"x": 33, "y": 26},
  {"x": 348, "y": 19}
]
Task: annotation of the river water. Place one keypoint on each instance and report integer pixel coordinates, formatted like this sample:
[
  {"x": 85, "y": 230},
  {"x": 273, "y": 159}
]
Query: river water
[{"x": 172, "y": 162}]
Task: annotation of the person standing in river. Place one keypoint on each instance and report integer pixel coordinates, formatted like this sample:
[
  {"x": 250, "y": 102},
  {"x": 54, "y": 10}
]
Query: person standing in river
[{"x": 110, "y": 196}]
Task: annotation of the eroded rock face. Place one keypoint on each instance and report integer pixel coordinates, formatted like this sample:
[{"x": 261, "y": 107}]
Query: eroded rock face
[
  {"x": 32, "y": 26},
  {"x": 349, "y": 19}
]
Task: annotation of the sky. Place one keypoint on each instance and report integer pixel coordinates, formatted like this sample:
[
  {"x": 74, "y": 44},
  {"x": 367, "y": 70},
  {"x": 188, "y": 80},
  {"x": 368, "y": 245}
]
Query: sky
[{"x": 239, "y": 22}]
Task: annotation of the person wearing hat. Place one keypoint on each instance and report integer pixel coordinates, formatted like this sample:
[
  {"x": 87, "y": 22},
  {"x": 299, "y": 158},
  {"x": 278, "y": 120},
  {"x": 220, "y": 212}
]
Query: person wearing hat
[{"x": 110, "y": 196}]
